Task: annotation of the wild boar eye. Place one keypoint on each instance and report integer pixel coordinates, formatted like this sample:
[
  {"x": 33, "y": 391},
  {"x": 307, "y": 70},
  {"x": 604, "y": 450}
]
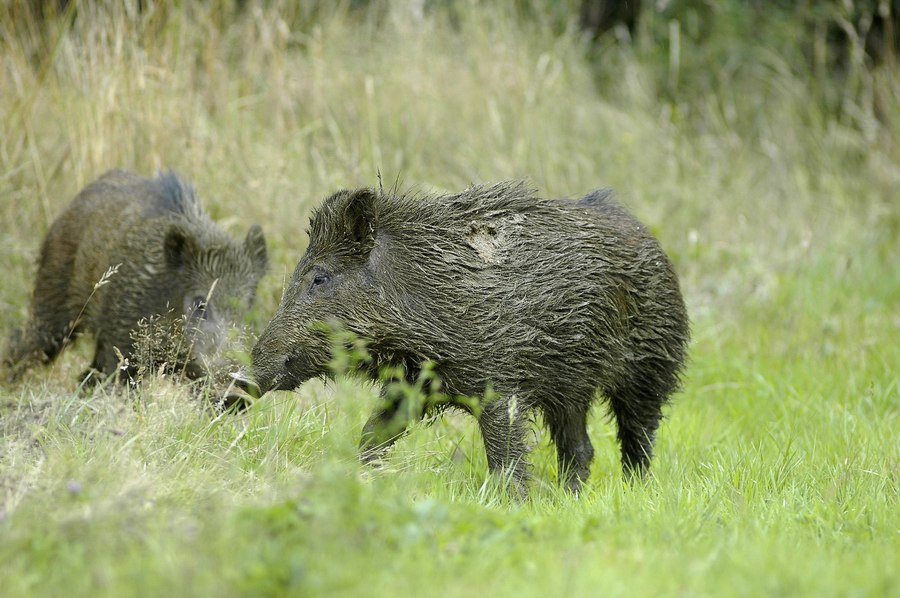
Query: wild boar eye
[
  {"x": 320, "y": 278},
  {"x": 198, "y": 307}
]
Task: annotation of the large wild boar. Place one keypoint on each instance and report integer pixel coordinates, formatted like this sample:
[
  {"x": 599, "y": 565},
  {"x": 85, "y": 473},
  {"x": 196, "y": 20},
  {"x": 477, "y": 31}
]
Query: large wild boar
[
  {"x": 547, "y": 303},
  {"x": 170, "y": 263}
]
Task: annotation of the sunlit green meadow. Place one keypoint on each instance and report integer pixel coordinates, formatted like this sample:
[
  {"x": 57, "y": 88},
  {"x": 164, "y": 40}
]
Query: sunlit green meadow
[{"x": 778, "y": 465}]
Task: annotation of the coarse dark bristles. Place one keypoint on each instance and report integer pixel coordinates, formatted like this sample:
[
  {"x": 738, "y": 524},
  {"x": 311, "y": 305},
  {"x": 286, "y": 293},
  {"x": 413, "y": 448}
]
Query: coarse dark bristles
[
  {"x": 546, "y": 303},
  {"x": 128, "y": 250}
]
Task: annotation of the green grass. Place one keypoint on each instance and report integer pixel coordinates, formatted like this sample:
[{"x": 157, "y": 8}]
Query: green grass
[{"x": 778, "y": 466}]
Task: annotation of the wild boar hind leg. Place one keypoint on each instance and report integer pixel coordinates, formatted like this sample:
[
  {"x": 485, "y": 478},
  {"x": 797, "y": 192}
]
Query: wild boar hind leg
[
  {"x": 53, "y": 324},
  {"x": 568, "y": 428}
]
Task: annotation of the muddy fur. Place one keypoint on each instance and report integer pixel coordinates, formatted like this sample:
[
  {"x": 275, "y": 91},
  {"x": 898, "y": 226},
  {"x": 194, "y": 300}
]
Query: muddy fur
[
  {"x": 160, "y": 258},
  {"x": 548, "y": 303}
]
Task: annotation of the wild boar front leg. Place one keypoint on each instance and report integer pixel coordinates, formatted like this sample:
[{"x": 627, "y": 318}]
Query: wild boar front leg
[
  {"x": 503, "y": 426},
  {"x": 387, "y": 424}
]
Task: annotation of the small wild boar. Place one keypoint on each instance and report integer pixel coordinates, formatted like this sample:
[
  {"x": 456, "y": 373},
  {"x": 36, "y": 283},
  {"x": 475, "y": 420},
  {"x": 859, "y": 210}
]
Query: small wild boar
[
  {"x": 547, "y": 304},
  {"x": 174, "y": 264}
]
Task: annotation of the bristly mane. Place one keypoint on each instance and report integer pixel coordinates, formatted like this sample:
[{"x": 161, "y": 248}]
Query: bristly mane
[
  {"x": 411, "y": 213},
  {"x": 176, "y": 194}
]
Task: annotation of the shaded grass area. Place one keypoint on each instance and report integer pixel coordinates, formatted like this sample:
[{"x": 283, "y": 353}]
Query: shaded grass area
[{"x": 776, "y": 469}]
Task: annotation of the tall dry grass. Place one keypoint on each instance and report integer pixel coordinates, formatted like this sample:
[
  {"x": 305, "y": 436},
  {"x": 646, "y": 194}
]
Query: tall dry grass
[{"x": 269, "y": 109}]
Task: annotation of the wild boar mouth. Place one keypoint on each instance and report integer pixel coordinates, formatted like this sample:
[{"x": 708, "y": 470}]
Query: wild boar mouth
[
  {"x": 194, "y": 369},
  {"x": 297, "y": 369}
]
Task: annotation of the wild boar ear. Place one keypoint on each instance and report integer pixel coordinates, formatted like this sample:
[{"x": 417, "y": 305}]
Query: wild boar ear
[
  {"x": 255, "y": 245},
  {"x": 178, "y": 246},
  {"x": 360, "y": 218}
]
